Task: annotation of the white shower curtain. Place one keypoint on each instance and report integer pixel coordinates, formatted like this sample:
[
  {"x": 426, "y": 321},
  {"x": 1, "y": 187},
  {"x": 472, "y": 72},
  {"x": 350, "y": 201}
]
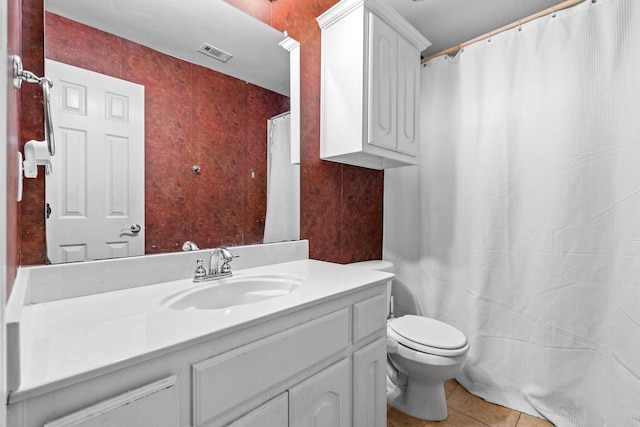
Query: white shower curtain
[
  {"x": 282, "y": 222},
  {"x": 521, "y": 226}
]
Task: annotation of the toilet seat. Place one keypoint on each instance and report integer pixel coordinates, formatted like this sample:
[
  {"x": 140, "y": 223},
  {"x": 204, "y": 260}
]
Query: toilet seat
[{"x": 428, "y": 335}]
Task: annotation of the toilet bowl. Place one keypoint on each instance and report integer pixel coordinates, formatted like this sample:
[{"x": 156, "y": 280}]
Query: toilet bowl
[{"x": 422, "y": 353}]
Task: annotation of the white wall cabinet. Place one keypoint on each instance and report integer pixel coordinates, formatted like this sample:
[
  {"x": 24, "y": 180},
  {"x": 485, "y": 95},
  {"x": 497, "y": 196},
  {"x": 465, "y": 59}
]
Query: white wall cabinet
[
  {"x": 370, "y": 85},
  {"x": 307, "y": 367}
]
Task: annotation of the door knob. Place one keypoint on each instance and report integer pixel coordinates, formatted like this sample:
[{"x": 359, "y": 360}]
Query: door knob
[{"x": 135, "y": 228}]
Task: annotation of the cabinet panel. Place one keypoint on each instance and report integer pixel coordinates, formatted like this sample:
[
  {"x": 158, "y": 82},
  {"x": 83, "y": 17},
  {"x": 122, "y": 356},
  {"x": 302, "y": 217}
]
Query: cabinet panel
[
  {"x": 274, "y": 413},
  {"x": 383, "y": 74},
  {"x": 155, "y": 405},
  {"x": 369, "y": 385},
  {"x": 247, "y": 373},
  {"x": 341, "y": 132},
  {"x": 408, "y": 96},
  {"x": 369, "y": 317},
  {"x": 322, "y": 400}
]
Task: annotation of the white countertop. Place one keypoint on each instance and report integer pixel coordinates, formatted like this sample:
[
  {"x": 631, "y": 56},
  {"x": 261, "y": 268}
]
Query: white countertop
[{"x": 67, "y": 340}]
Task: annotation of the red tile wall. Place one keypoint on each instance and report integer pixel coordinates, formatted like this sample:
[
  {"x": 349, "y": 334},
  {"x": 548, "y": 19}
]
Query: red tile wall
[
  {"x": 31, "y": 222},
  {"x": 341, "y": 205}
]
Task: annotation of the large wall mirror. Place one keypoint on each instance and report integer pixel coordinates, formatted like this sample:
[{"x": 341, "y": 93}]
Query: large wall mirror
[{"x": 160, "y": 141}]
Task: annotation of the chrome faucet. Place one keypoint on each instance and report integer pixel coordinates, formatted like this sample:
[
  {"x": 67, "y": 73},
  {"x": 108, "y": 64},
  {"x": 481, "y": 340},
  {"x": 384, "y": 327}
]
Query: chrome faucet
[
  {"x": 190, "y": 246},
  {"x": 220, "y": 254},
  {"x": 218, "y": 266}
]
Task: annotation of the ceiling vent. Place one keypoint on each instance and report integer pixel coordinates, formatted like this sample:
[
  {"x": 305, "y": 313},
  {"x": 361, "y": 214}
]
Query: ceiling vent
[{"x": 214, "y": 52}]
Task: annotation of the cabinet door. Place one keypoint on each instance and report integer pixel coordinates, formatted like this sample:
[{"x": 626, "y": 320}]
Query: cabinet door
[
  {"x": 274, "y": 413},
  {"x": 408, "y": 96},
  {"x": 369, "y": 385},
  {"x": 383, "y": 76},
  {"x": 322, "y": 400}
]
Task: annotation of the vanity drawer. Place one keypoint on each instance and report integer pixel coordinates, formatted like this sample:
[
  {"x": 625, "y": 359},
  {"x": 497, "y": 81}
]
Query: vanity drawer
[
  {"x": 154, "y": 405},
  {"x": 369, "y": 317},
  {"x": 246, "y": 374}
]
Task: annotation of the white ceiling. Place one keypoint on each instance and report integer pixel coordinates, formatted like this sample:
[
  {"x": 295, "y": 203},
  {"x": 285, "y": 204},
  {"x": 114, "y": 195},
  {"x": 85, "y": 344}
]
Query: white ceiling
[
  {"x": 180, "y": 27},
  {"x": 446, "y": 23}
]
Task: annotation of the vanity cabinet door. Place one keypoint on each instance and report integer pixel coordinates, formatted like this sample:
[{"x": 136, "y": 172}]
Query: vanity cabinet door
[
  {"x": 323, "y": 399},
  {"x": 369, "y": 385},
  {"x": 274, "y": 413}
]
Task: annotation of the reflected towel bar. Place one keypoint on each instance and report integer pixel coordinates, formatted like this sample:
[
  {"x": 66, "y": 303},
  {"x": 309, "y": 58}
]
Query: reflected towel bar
[{"x": 20, "y": 75}]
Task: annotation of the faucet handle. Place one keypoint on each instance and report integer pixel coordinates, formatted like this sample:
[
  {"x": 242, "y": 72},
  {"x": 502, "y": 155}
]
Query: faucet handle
[
  {"x": 225, "y": 268},
  {"x": 227, "y": 256},
  {"x": 200, "y": 272}
]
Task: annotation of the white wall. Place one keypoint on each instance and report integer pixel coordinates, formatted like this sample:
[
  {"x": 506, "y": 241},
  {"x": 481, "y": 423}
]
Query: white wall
[
  {"x": 401, "y": 235},
  {"x": 3, "y": 208}
]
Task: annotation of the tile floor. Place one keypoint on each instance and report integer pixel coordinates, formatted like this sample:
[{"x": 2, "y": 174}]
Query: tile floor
[{"x": 467, "y": 410}]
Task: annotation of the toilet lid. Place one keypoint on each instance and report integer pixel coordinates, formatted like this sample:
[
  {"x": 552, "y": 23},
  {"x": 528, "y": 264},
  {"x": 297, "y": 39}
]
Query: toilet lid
[{"x": 429, "y": 332}]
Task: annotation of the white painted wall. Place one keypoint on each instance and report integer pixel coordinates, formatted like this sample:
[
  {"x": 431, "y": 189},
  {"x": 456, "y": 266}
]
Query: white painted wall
[
  {"x": 3, "y": 208},
  {"x": 401, "y": 235}
]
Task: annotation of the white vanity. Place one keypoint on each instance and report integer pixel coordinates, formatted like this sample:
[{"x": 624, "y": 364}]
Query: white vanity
[{"x": 100, "y": 348}]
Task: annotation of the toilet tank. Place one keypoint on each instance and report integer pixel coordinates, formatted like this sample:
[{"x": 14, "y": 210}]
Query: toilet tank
[{"x": 379, "y": 265}]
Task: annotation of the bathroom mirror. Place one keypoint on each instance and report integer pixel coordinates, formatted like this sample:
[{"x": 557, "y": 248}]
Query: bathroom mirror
[{"x": 206, "y": 124}]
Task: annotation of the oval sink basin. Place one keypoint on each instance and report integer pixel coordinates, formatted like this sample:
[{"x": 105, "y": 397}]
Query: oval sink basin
[{"x": 225, "y": 293}]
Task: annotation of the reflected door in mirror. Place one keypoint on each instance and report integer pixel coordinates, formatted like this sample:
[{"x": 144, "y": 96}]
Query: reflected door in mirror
[{"x": 96, "y": 191}]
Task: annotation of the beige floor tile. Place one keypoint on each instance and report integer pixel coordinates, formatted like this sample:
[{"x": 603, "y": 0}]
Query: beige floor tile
[
  {"x": 467, "y": 410},
  {"x": 527, "y": 420},
  {"x": 396, "y": 418},
  {"x": 456, "y": 419},
  {"x": 449, "y": 387},
  {"x": 481, "y": 410}
]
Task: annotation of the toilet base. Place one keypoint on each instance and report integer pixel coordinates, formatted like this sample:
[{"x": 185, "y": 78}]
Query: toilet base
[{"x": 424, "y": 400}]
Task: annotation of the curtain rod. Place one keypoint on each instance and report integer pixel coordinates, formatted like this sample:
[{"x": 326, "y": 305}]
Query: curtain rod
[{"x": 553, "y": 9}]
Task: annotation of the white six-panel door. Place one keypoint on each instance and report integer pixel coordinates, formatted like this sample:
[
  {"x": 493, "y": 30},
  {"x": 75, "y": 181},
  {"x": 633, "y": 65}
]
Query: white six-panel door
[{"x": 96, "y": 191}]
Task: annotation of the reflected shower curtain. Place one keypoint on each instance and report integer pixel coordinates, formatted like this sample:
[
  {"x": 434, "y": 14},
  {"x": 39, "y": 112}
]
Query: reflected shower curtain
[
  {"x": 282, "y": 221},
  {"x": 526, "y": 212}
]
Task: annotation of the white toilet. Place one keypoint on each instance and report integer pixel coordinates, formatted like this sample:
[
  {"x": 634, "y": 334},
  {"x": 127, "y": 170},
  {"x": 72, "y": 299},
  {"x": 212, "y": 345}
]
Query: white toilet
[{"x": 422, "y": 353}]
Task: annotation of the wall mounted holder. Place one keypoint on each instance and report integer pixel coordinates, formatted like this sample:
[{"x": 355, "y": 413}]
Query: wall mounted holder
[
  {"x": 21, "y": 75},
  {"x": 35, "y": 152}
]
